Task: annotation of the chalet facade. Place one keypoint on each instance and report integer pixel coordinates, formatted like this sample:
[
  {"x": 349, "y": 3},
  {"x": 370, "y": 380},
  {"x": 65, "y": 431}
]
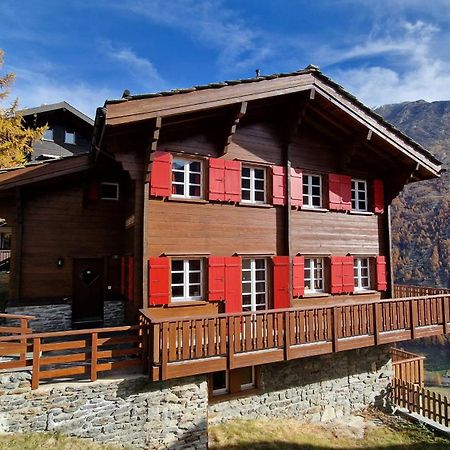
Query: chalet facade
[{"x": 239, "y": 221}]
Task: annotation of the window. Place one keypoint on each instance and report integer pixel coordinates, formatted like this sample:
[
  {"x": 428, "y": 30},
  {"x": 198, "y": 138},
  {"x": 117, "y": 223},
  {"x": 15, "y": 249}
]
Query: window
[
  {"x": 314, "y": 275},
  {"x": 69, "y": 137},
  {"x": 253, "y": 185},
  {"x": 362, "y": 274},
  {"x": 359, "y": 195},
  {"x": 220, "y": 382},
  {"x": 48, "y": 134},
  {"x": 312, "y": 191},
  {"x": 5, "y": 241},
  {"x": 186, "y": 279},
  {"x": 254, "y": 284},
  {"x": 109, "y": 191},
  {"x": 186, "y": 178},
  {"x": 248, "y": 378}
]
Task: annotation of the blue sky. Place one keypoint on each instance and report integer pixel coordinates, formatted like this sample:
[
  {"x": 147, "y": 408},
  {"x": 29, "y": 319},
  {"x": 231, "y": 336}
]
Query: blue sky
[{"x": 383, "y": 51}]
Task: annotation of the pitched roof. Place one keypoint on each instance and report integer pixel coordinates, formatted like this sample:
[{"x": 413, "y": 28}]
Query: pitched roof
[
  {"x": 133, "y": 108},
  {"x": 10, "y": 178},
  {"x": 55, "y": 107}
]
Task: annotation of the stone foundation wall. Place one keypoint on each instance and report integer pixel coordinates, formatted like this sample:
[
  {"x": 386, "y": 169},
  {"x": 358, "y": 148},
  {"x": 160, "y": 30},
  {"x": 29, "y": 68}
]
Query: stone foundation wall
[
  {"x": 130, "y": 411},
  {"x": 58, "y": 317},
  {"x": 314, "y": 389}
]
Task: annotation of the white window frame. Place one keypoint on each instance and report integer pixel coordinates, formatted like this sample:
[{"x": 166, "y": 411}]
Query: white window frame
[
  {"x": 66, "y": 132},
  {"x": 186, "y": 280},
  {"x": 252, "y": 384},
  {"x": 252, "y": 282},
  {"x": 53, "y": 136},
  {"x": 252, "y": 188},
  {"x": 105, "y": 183},
  {"x": 357, "y": 195},
  {"x": 358, "y": 266},
  {"x": 309, "y": 195},
  {"x": 226, "y": 389},
  {"x": 186, "y": 179},
  {"x": 312, "y": 273}
]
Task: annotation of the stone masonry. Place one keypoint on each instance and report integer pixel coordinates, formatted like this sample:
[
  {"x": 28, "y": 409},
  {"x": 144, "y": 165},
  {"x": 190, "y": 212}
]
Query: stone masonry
[
  {"x": 130, "y": 411},
  {"x": 314, "y": 389}
]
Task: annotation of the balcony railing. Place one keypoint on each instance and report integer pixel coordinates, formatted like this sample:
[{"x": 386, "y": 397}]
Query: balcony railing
[{"x": 176, "y": 347}]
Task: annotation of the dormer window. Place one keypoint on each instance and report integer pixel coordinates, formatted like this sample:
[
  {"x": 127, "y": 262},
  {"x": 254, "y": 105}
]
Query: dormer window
[
  {"x": 69, "y": 137},
  {"x": 48, "y": 134}
]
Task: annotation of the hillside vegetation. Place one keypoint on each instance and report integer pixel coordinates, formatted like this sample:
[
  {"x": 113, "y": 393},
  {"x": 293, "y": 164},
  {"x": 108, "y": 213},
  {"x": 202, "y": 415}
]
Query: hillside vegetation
[{"x": 421, "y": 214}]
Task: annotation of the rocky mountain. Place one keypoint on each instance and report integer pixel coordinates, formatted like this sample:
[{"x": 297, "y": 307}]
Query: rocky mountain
[{"x": 421, "y": 214}]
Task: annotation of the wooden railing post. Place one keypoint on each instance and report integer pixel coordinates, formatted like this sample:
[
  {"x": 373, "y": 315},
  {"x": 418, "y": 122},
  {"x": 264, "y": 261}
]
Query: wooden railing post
[
  {"x": 231, "y": 329},
  {"x": 36, "y": 362},
  {"x": 445, "y": 315},
  {"x": 336, "y": 322},
  {"x": 94, "y": 350},
  {"x": 377, "y": 322},
  {"x": 287, "y": 335},
  {"x": 414, "y": 317},
  {"x": 23, "y": 341},
  {"x": 164, "y": 350}
]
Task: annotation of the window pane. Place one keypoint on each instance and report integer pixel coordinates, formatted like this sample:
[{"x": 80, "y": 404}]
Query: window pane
[
  {"x": 260, "y": 275},
  {"x": 177, "y": 265},
  {"x": 245, "y": 195},
  {"x": 219, "y": 380},
  {"x": 178, "y": 176},
  {"x": 48, "y": 134},
  {"x": 177, "y": 291},
  {"x": 177, "y": 164},
  {"x": 246, "y": 300},
  {"x": 177, "y": 278},
  {"x": 261, "y": 299},
  {"x": 259, "y": 185},
  {"x": 246, "y": 288},
  {"x": 194, "y": 264},
  {"x": 361, "y": 205},
  {"x": 194, "y": 191},
  {"x": 194, "y": 291},
  {"x": 261, "y": 286},
  {"x": 259, "y": 196},
  {"x": 246, "y": 172},
  {"x": 259, "y": 173},
  {"x": 246, "y": 183},
  {"x": 315, "y": 180},
  {"x": 178, "y": 189},
  {"x": 316, "y": 201},
  {"x": 194, "y": 178},
  {"x": 316, "y": 190},
  {"x": 195, "y": 166},
  {"x": 260, "y": 263},
  {"x": 194, "y": 278},
  {"x": 246, "y": 264}
]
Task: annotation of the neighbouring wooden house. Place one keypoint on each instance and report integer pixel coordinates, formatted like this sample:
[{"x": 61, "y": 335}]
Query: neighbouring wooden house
[{"x": 249, "y": 208}]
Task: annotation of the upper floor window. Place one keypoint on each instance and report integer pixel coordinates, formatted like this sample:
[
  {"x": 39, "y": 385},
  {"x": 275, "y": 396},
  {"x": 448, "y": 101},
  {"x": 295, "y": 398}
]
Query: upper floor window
[
  {"x": 48, "y": 134},
  {"x": 314, "y": 275},
  {"x": 186, "y": 178},
  {"x": 186, "y": 279},
  {"x": 254, "y": 284},
  {"x": 253, "y": 185},
  {"x": 359, "y": 195},
  {"x": 362, "y": 274},
  {"x": 109, "y": 191},
  {"x": 312, "y": 191},
  {"x": 69, "y": 137}
]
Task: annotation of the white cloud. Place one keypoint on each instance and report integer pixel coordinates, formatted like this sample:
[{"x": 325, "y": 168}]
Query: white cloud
[
  {"x": 36, "y": 88},
  {"x": 141, "y": 69}
]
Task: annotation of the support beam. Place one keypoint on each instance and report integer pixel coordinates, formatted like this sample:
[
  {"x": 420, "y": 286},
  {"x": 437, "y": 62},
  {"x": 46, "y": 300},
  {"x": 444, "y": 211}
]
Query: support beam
[{"x": 233, "y": 127}]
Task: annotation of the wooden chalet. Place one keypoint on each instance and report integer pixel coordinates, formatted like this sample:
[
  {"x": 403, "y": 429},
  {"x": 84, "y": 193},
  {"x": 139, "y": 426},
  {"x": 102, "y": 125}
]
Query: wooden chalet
[{"x": 242, "y": 223}]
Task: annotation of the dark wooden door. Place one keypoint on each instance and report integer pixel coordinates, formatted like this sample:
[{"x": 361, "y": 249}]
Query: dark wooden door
[{"x": 88, "y": 284}]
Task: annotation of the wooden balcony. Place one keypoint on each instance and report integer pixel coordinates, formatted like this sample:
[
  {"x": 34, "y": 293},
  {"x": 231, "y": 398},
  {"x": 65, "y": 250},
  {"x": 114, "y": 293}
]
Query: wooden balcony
[{"x": 194, "y": 345}]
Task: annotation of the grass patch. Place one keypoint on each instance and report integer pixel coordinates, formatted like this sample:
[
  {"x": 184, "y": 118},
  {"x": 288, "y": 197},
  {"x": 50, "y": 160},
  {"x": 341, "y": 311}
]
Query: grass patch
[
  {"x": 53, "y": 441},
  {"x": 379, "y": 433}
]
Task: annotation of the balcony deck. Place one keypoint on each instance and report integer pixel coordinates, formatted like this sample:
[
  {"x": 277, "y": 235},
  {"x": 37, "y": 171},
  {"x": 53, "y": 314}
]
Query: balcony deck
[{"x": 186, "y": 346}]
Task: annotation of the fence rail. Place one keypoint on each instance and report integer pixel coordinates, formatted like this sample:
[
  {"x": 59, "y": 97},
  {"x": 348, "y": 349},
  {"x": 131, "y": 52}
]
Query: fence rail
[
  {"x": 422, "y": 401},
  {"x": 415, "y": 291},
  {"x": 408, "y": 366},
  {"x": 73, "y": 353},
  {"x": 216, "y": 342},
  {"x": 4, "y": 255}
]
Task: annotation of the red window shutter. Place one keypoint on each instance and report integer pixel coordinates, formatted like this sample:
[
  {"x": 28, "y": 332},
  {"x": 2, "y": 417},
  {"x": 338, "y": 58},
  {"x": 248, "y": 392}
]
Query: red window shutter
[
  {"x": 348, "y": 277},
  {"x": 298, "y": 276},
  {"x": 216, "y": 179},
  {"x": 340, "y": 192},
  {"x": 216, "y": 278},
  {"x": 279, "y": 185},
  {"x": 130, "y": 278},
  {"x": 93, "y": 191},
  {"x": 123, "y": 274},
  {"x": 378, "y": 196},
  {"x": 161, "y": 175},
  {"x": 158, "y": 281},
  {"x": 281, "y": 285},
  {"x": 336, "y": 275},
  {"x": 233, "y": 284},
  {"x": 296, "y": 187},
  {"x": 232, "y": 181},
  {"x": 381, "y": 273}
]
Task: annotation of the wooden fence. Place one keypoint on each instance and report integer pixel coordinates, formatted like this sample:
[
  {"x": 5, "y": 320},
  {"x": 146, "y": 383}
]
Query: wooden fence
[
  {"x": 422, "y": 401},
  {"x": 4, "y": 255},
  {"x": 408, "y": 367},
  {"x": 416, "y": 291},
  {"x": 74, "y": 353},
  {"x": 216, "y": 342}
]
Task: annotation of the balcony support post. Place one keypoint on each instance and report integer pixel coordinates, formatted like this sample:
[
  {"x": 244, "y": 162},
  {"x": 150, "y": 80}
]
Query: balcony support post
[{"x": 414, "y": 319}]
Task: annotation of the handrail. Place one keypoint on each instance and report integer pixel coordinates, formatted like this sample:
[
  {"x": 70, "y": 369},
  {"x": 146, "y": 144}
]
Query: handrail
[
  {"x": 147, "y": 313},
  {"x": 16, "y": 316},
  {"x": 52, "y": 334}
]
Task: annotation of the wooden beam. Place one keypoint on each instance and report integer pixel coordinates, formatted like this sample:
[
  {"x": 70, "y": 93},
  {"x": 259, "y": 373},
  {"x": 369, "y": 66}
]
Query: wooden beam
[
  {"x": 17, "y": 249},
  {"x": 235, "y": 122}
]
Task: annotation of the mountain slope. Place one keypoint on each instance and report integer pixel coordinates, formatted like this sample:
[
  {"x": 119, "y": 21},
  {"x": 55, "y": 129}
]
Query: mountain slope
[{"x": 421, "y": 214}]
